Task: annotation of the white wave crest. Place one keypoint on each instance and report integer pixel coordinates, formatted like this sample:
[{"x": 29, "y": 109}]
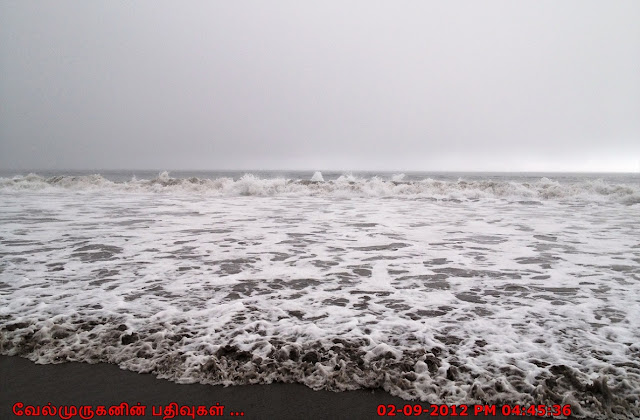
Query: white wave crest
[{"x": 347, "y": 185}]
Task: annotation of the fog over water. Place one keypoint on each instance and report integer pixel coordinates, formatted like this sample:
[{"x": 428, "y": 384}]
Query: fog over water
[{"x": 367, "y": 85}]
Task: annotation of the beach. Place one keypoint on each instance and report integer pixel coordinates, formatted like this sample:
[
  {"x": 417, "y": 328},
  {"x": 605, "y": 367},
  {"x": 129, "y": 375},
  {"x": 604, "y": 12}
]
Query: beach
[
  {"x": 322, "y": 210},
  {"x": 104, "y": 384}
]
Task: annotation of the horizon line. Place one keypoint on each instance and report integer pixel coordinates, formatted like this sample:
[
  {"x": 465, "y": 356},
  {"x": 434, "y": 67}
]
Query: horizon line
[{"x": 397, "y": 171}]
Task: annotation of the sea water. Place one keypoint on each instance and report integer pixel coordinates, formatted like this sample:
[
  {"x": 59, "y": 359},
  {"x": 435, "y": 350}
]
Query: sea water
[{"x": 447, "y": 287}]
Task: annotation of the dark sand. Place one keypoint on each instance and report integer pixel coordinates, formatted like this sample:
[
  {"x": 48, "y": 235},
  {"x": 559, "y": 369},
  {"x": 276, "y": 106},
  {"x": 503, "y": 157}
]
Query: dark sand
[{"x": 105, "y": 384}]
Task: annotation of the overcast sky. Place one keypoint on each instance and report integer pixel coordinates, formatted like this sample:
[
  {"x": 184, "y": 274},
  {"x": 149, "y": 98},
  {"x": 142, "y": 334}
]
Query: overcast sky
[{"x": 348, "y": 85}]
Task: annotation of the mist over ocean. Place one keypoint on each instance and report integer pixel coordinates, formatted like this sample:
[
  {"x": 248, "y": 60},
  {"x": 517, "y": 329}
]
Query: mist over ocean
[{"x": 442, "y": 287}]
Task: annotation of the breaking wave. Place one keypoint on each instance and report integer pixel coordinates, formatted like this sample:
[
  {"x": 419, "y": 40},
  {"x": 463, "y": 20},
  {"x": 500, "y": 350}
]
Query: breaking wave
[{"x": 344, "y": 186}]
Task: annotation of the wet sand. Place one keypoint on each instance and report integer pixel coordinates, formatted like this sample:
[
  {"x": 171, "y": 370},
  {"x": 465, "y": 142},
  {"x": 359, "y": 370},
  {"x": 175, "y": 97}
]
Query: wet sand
[{"x": 106, "y": 384}]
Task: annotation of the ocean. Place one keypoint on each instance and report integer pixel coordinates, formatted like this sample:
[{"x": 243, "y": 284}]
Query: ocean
[{"x": 440, "y": 287}]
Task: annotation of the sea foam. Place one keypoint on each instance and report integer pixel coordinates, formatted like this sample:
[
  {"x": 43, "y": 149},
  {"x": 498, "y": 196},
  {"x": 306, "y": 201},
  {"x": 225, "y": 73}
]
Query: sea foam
[{"x": 453, "y": 292}]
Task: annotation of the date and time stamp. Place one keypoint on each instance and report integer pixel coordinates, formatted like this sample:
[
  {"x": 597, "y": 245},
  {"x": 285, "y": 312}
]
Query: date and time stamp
[{"x": 463, "y": 410}]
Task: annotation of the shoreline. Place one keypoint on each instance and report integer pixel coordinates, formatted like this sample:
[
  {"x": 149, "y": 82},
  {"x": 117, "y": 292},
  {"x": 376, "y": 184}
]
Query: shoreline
[{"x": 106, "y": 384}]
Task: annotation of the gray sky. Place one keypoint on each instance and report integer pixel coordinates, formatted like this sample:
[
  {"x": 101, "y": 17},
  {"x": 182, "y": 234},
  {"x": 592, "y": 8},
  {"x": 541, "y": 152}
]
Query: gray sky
[{"x": 378, "y": 85}]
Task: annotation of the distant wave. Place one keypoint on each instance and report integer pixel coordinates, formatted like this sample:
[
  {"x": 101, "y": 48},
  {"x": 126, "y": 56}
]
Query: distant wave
[{"x": 345, "y": 186}]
